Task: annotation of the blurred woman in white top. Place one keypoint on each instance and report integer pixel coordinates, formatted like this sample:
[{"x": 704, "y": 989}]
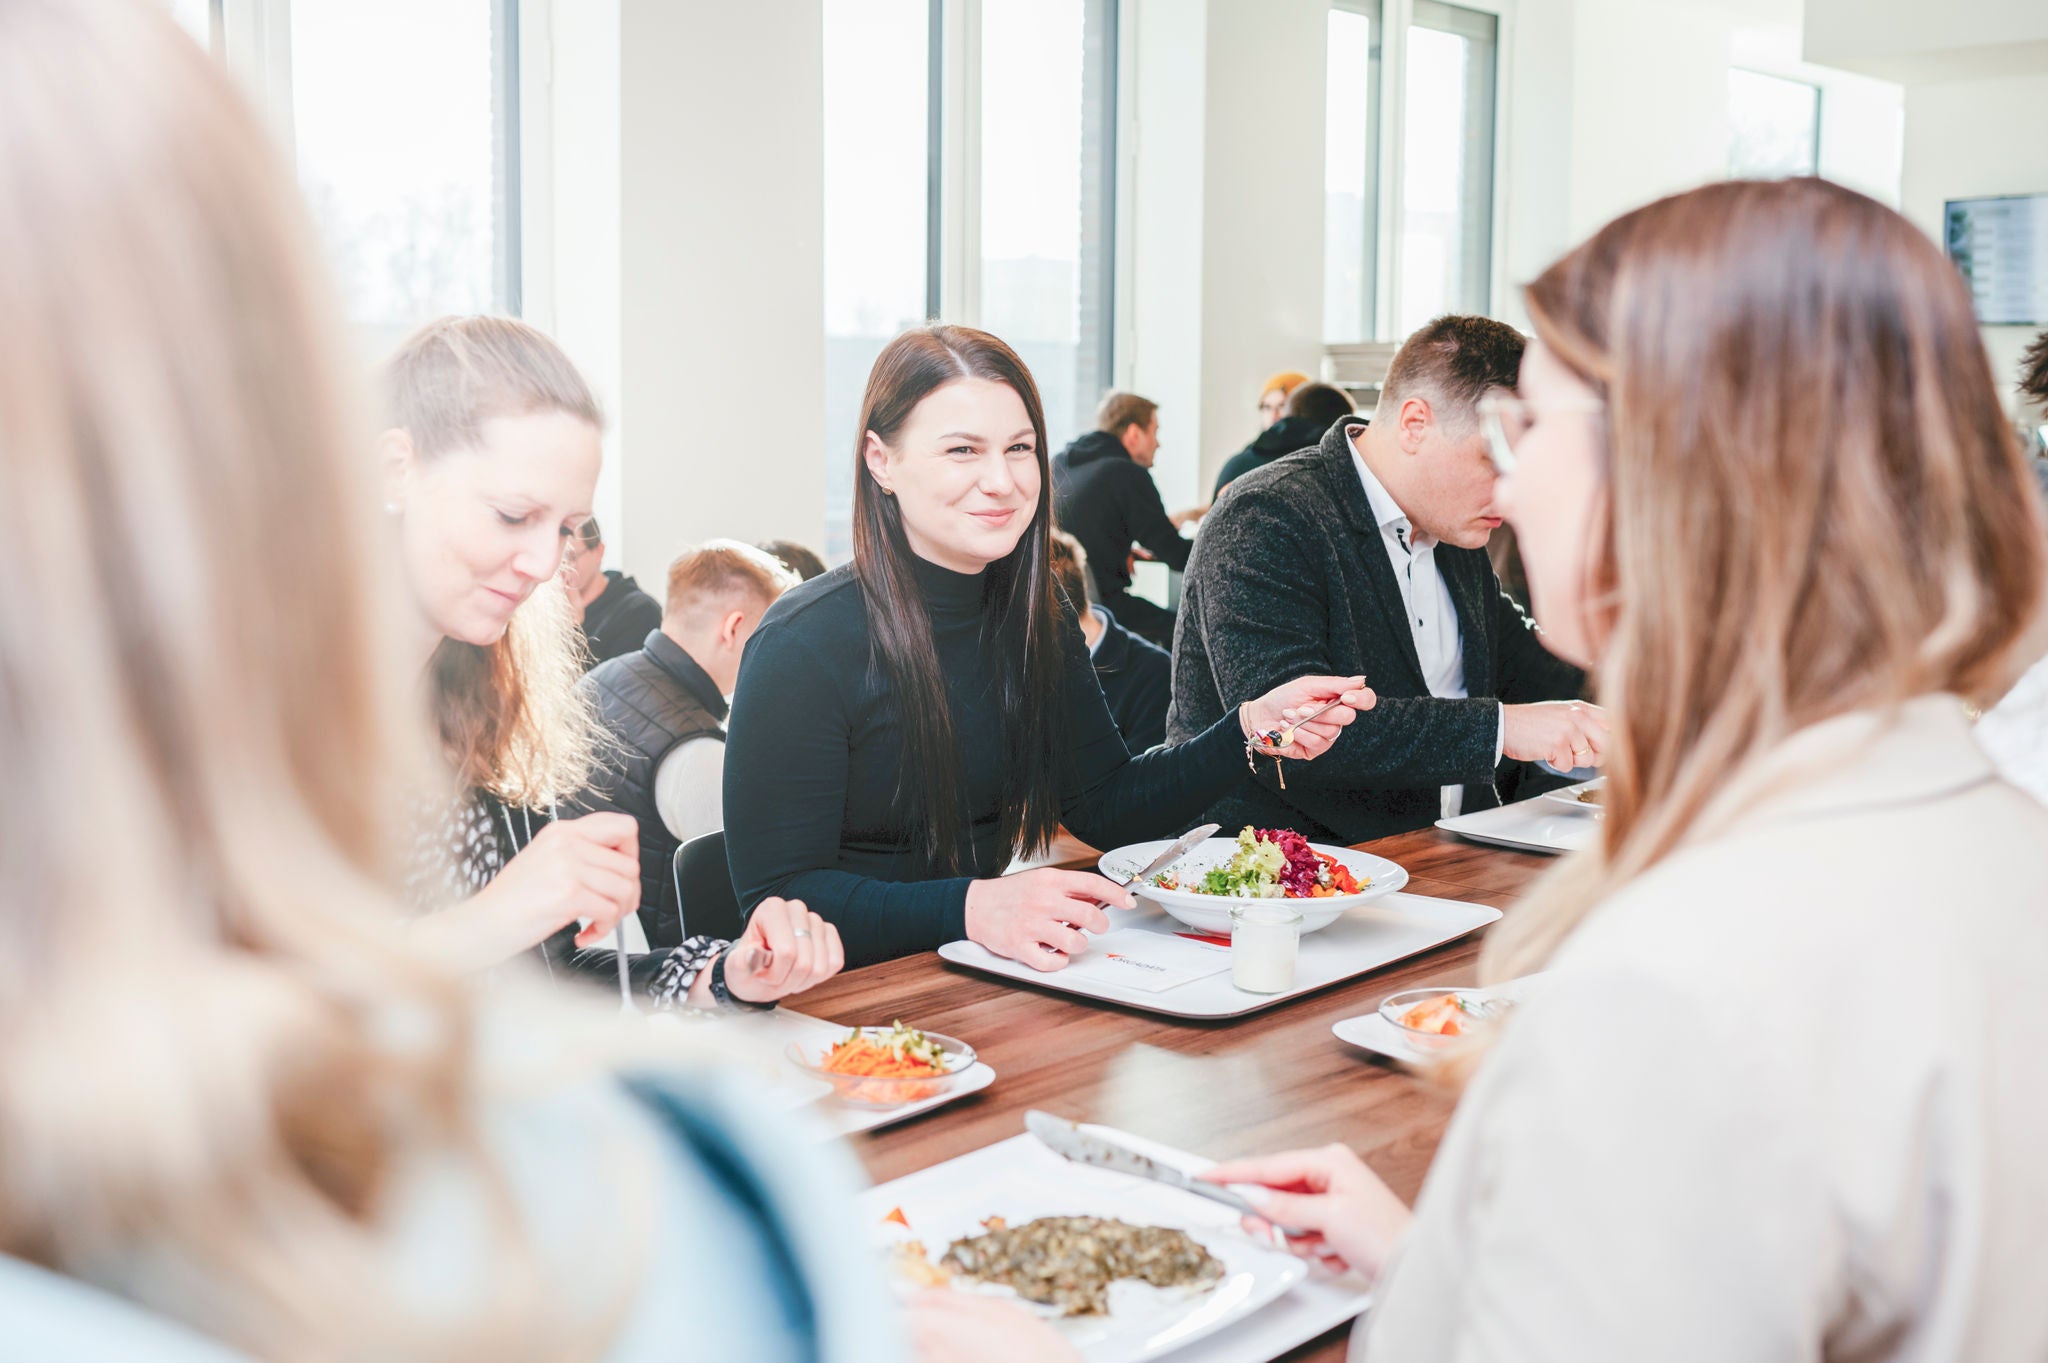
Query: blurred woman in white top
[
  {"x": 228, "y": 1092},
  {"x": 1780, "y": 1097}
]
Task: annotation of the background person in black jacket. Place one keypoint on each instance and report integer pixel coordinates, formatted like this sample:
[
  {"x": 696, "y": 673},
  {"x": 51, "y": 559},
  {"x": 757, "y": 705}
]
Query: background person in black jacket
[
  {"x": 1136, "y": 674},
  {"x": 613, "y": 611},
  {"x": 1312, "y": 408},
  {"x": 1103, "y": 495},
  {"x": 1368, "y": 554}
]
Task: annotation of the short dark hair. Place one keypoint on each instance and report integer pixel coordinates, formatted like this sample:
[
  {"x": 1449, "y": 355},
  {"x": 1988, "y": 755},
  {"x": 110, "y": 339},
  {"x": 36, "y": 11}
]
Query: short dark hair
[
  {"x": 1323, "y": 403},
  {"x": 2034, "y": 369},
  {"x": 1070, "y": 569},
  {"x": 1456, "y": 359},
  {"x": 805, "y": 564},
  {"x": 1120, "y": 411}
]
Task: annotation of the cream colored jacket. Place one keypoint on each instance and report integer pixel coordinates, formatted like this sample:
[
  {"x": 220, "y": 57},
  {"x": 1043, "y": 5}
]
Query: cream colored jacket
[{"x": 1785, "y": 1097}]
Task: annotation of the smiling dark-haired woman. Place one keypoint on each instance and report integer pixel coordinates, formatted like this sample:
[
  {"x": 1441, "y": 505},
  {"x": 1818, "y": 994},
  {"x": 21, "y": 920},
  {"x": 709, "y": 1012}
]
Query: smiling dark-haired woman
[{"x": 906, "y": 724}]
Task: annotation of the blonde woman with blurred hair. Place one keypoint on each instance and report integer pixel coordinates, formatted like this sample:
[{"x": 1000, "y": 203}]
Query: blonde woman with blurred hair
[
  {"x": 228, "y": 1091},
  {"x": 490, "y": 465},
  {"x": 1780, "y": 1095}
]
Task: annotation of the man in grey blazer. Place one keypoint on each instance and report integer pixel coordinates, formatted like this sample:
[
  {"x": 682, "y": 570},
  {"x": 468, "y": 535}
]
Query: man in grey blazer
[{"x": 1367, "y": 554}]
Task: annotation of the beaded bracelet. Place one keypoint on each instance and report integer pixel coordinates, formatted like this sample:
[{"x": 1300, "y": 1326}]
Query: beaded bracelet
[{"x": 1269, "y": 737}]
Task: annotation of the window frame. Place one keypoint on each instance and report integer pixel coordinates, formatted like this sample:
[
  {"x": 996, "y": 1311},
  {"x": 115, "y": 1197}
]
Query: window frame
[
  {"x": 1374, "y": 13},
  {"x": 253, "y": 38},
  {"x": 1820, "y": 107},
  {"x": 953, "y": 188},
  {"x": 1397, "y": 17}
]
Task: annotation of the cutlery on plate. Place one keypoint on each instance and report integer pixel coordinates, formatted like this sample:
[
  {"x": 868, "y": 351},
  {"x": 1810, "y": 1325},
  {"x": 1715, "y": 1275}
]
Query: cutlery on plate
[
  {"x": 1069, "y": 1141},
  {"x": 1187, "y": 843}
]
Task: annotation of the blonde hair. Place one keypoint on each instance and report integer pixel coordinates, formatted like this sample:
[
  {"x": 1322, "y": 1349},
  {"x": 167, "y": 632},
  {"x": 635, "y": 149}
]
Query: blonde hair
[
  {"x": 1813, "y": 505},
  {"x": 513, "y": 718},
  {"x": 215, "y": 1058},
  {"x": 719, "y": 571}
]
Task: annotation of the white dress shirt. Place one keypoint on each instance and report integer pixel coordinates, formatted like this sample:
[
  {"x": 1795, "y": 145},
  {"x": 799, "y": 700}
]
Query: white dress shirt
[{"x": 1426, "y": 597}]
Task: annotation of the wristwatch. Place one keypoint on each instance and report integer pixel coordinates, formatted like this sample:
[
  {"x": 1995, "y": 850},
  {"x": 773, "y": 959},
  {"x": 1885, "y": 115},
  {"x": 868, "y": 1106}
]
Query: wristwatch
[{"x": 724, "y": 997}]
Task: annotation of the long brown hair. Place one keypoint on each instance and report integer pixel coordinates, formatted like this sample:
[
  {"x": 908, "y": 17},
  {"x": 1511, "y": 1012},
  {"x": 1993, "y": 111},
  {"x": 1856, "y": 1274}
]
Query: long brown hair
[
  {"x": 216, "y": 1058},
  {"x": 1020, "y": 613},
  {"x": 1814, "y": 504},
  {"x": 513, "y": 717}
]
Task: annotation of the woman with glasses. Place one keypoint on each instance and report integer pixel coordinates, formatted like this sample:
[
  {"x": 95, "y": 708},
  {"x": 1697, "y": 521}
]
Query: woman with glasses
[{"x": 1778, "y": 1095}]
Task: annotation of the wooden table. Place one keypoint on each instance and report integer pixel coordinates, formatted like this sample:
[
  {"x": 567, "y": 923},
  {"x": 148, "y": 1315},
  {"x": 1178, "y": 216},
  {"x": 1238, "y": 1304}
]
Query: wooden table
[{"x": 1272, "y": 1081}]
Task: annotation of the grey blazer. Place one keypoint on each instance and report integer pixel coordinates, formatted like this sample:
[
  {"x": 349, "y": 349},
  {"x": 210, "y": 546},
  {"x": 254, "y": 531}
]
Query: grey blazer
[{"x": 1289, "y": 577}]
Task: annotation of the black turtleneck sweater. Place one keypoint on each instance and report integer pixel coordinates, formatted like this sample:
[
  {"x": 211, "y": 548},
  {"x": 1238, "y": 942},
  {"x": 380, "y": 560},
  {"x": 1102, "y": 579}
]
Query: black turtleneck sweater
[{"x": 814, "y": 754}]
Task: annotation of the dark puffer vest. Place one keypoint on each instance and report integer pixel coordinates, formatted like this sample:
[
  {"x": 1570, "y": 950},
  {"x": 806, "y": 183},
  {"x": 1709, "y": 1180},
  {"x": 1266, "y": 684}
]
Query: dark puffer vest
[{"x": 652, "y": 701}]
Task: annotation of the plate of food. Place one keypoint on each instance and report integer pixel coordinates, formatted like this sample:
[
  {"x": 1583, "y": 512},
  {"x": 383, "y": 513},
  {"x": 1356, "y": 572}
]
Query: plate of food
[
  {"x": 886, "y": 1067},
  {"x": 1126, "y": 1270},
  {"x": 1420, "y": 1025},
  {"x": 1323, "y": 882},
  {"x": 1587, "y": 797}
]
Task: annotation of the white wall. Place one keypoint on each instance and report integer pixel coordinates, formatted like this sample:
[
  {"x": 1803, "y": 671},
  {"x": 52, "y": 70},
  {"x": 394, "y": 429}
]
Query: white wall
[
  {"x": 689, "y": 278},
  {"x": 1968, "y": 138},
  {"x": 1226, "y": 218},
  {"x": 1915, "y": 42}
]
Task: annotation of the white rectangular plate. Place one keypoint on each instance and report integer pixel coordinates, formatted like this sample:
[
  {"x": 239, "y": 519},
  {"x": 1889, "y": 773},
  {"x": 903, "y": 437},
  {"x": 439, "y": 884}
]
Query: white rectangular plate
[
  {"x": 1538, "y": 824},
  {"x": 1365, "y": 939},
  {"x": 1371, "y": 1032},
  {"x": 1019, "y": 1179},
  {"x": 777, "y": 1029}
]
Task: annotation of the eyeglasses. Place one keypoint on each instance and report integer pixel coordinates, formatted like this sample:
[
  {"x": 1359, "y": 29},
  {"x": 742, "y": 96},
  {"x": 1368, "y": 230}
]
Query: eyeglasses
[{"x": 1506, "y": 419}]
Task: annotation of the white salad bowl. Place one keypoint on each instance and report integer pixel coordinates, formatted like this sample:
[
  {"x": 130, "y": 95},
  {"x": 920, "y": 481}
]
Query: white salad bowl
[{"x": 1210, "y": 913}]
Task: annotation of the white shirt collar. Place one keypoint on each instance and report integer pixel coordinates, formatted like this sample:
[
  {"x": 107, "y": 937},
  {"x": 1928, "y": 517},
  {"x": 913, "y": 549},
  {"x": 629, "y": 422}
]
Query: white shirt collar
[
  {"x": 1102, "y": 619},
  {"x": 1387, "y": 513}
]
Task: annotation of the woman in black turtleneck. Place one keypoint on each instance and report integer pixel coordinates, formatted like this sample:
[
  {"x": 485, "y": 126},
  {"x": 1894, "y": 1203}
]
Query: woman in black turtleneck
[{"x": 898, "y": 832}]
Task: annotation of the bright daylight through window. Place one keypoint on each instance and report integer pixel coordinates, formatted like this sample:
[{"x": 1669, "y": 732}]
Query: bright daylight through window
[{"x": 403, "y": 146}]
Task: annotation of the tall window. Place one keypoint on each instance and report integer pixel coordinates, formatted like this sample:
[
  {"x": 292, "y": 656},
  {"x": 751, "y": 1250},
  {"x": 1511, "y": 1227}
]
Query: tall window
[
  {"x": 878, "y": 157},
  {"x": 1037, "y": 111},
  {"x": 1351, "y": 172},
  {"x": 1773, "y": 126},
  {"x": 197, "y": 17},
  {"x": 1447, "y": 164},
  {"x": 1048, "y": 145},
  {"x": 405, "y": 123}
]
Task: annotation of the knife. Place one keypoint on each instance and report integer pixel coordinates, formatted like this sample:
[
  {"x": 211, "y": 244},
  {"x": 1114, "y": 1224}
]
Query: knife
[
  {"x": 1193, "y": 839},
  {"x": 1069, "y": 1141}
]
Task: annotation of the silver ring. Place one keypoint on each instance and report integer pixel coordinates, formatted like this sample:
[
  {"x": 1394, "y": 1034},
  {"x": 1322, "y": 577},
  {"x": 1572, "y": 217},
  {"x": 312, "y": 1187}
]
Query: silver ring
[{"x": 802, "y": 932}]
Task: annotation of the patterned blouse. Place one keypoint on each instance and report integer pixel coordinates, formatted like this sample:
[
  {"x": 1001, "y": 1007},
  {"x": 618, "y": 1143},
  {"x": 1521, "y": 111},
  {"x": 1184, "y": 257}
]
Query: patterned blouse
[{"x": 460, "y": 849}]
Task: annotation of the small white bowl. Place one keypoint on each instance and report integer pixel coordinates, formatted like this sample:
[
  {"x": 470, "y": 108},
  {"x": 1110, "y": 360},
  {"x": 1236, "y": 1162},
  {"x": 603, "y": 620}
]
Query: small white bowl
[{"x": 1210, "y": 913}]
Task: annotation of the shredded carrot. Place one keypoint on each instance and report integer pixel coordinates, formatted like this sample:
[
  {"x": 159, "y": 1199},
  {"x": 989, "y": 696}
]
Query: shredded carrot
[
  {"x": 860, "y": 1056},
  {"x": 897, "y": 1217}
]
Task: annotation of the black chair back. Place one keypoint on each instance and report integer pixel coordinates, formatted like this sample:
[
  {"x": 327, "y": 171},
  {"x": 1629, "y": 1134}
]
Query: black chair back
[{"x": 705, "y": 899}]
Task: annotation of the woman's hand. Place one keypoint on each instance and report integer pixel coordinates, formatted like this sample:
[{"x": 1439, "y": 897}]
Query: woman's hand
[
  {"x": 966, "y": 1327},
  {"x": 1278, "y": 709},
  {"x": 785, "y": 950},
  {"x": 1037, "y": 917},
  {"x": 572, "y": 870},
  {"x": 1354, "y": 1220}
]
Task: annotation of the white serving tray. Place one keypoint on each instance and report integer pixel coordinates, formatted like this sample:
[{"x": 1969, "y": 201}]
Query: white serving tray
[
  {"x": 1283, "y": 1308},
  {"x": 1538, "y": 824},
  {"x": 1365, "y": 939},
  {"x": 1371, "y": 1032}
]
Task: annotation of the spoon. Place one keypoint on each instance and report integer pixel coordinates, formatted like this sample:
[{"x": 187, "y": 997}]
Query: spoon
[{"x": 1283, "y": 737}]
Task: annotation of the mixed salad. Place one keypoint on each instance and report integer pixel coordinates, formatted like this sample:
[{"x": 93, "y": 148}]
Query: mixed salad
[{"x": 1270, "y": 863}]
